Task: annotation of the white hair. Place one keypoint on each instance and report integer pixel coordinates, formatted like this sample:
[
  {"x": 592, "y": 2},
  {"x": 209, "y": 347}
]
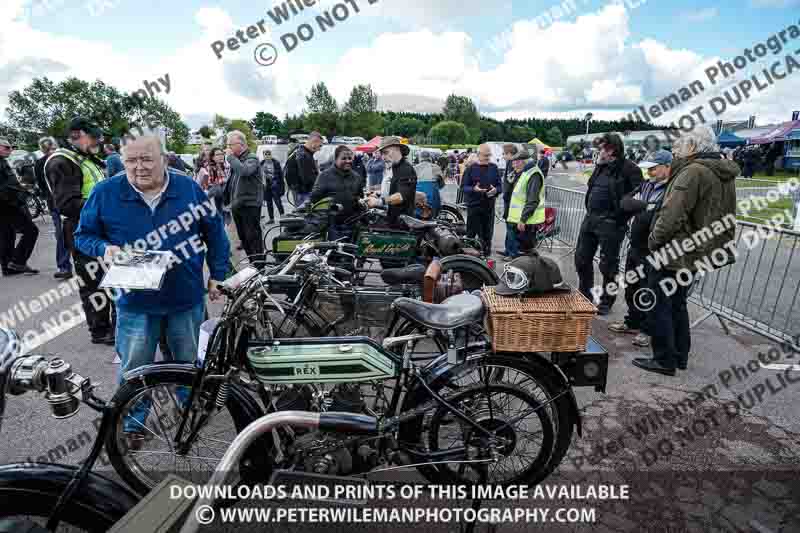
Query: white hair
[
  {"x": 45, "y": 143},
  {"x": 238, "y": 134},
  {"x": 143, "y": 132},
  {"x": 699, "y": 140}
]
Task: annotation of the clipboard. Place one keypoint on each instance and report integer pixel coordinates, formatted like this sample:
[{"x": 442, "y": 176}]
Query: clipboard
[{"x": 138, "y": 270}]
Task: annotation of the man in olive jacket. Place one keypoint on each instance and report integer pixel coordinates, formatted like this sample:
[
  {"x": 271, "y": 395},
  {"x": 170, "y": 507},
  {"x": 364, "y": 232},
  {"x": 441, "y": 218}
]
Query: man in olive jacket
[{"x": 694, "y": 229}]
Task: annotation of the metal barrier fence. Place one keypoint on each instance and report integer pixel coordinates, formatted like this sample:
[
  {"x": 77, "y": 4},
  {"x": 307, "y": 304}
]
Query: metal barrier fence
[{"x": 760, "y": 291}]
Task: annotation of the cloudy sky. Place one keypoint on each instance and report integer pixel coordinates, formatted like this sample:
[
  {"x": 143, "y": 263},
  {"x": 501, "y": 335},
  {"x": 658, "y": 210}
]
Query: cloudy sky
[{"x": 606, "y": 56}]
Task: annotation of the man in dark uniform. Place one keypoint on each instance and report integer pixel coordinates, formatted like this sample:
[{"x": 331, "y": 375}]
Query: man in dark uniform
[
  {"x": 72, "y": 173},
  {"x": 14, "y": 218}
]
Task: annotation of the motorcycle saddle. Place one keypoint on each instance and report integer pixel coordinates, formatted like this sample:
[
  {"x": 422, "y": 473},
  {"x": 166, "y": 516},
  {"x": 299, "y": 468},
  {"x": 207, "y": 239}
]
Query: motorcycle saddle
[
  {"x": 398, "y": 276},
  {"x": 456, "y": 311},
  {"x": 415, "y": 224}
]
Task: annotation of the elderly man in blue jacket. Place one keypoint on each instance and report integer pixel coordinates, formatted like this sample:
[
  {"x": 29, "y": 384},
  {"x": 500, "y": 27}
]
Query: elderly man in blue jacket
[{"x": 151, "y": 207}]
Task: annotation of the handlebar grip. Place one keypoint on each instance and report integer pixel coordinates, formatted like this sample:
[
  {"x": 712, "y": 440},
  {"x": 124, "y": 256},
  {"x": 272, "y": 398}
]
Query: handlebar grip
[
  {"x": 325, "y": 246},
  {"x": 347, "y": 247}
]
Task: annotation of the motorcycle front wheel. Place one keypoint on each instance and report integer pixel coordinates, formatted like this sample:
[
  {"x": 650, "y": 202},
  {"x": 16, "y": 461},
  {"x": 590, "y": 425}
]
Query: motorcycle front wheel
[{"x": 28, "y": 494}]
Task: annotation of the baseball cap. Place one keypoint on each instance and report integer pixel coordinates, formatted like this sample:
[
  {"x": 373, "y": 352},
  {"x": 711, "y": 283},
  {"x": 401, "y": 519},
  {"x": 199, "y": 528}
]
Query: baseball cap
[
  {"x": 84, "y": 124},
  {"x": 530, "y": 274},
  {"x": 661, "y": 157}
]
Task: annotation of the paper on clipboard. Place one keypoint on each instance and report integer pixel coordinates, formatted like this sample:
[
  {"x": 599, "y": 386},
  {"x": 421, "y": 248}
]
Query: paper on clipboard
[{"x": 138, "y": 270}]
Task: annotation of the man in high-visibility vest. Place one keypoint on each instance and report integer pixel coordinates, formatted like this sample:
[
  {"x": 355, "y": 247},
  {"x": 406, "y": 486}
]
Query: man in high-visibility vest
[
  {"x": 72, "y": 172},
  {"x": 526, "y": 210}
]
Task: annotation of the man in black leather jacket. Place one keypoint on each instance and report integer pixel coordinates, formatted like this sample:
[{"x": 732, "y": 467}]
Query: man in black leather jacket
[
  {"x": 400, "y": 182},
  {"x": 605, "y": 223}
]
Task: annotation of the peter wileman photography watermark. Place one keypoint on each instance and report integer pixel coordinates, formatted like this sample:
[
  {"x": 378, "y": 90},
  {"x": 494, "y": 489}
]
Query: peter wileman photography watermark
[
  {"x": 66, "y": 319},
  {"x": 265, "y": 54},
  {"x": 698, "y": 413}
]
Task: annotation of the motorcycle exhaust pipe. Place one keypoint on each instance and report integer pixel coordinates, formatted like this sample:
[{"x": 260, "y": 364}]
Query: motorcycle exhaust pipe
[{"x": 331, "y": 421}]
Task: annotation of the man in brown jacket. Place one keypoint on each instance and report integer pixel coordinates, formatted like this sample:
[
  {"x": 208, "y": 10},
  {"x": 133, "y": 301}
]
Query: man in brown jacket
[{"x": 694, "y": 230}]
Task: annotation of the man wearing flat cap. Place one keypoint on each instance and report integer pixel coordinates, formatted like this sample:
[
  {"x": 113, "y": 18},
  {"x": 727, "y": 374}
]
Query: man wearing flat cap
[
  {"x": 526, "y": 205},
  {"x": 72, "y": 172},
  {"x": 398, "y": 192}
]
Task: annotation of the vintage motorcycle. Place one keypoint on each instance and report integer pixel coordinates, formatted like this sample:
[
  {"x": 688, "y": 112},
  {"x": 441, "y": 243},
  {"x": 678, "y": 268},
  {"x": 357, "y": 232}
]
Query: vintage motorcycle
[
  {"x": 426, "y": 384},
  {"x": 418, "y": 242}
]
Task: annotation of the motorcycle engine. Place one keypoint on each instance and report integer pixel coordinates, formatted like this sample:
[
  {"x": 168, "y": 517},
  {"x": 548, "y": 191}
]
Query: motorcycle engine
[{"x": 347, "y": 398}]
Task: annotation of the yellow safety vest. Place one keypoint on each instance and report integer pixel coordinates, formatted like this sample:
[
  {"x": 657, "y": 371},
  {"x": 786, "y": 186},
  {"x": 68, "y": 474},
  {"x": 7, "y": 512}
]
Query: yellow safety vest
[
  {"x": 92, "y": 174},
  {"x": 520, "y": 196}
]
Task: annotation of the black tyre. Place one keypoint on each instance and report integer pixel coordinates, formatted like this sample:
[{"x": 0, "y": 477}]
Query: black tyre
[
  {"x": 30, "y": 494},
  {"x": 139, "y": 461},
  {"x": 474, "y": 275},
  {"x": 516, "y": 417},
  {"x": 450, "y": 213}
]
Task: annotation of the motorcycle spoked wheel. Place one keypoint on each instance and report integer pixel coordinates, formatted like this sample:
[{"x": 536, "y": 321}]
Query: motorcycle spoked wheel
[
  {"x": 160, "y": 394},
  {"x": 490, "y": 405}
]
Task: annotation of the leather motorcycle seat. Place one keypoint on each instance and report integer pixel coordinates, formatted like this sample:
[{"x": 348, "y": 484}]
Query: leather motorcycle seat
[
  {"x": 415, "y": 224},
  {"x": 456, "y": 311},
  {"x": 399, "y": 276}
]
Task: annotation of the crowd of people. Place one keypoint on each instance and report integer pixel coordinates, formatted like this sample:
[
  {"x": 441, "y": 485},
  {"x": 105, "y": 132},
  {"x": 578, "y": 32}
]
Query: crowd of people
[
  {"x": 687, "y": 191},
  {"x": 98, "y": 205}
]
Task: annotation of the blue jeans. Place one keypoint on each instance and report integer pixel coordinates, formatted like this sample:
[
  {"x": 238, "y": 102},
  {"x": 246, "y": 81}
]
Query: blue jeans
[
  {"x": 301, "y": 198},
  {"x": 668, "y": 322},
  {"x": 512, "y": 243},
  {"x": 62, "y": 254},
  {"x": 137, "y": 337}
]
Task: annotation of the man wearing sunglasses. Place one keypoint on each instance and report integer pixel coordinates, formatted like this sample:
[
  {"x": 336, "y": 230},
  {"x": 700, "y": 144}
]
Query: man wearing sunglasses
[{"x": 72, "y": 173}]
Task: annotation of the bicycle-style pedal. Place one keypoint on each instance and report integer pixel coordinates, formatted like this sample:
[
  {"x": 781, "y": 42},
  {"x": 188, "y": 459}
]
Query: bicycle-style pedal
[{"x": 305, "y": 486}]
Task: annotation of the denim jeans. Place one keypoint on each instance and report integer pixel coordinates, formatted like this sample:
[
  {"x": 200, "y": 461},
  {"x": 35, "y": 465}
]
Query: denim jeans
[
  {"x": 512, "y": 244},
  {"x": 62, "y": 254},
  {"x": 137, "y": 337},
  {"x": 301, "y": 198}
]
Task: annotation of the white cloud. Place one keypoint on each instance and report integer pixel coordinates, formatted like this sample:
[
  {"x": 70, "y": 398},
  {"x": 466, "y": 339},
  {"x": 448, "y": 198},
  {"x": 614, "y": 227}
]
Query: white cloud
[
  {"x": 546, "y": 73},
  {"x": 701, "y": 16}
]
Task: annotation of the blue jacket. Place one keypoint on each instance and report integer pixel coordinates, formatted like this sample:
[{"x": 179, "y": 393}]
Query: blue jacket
[
  {"x": 113, "y": 165},
  {"x": 472, "y": 177},
  {"x": 116, "y": 214},
  {"x": 375, "y": 168}
]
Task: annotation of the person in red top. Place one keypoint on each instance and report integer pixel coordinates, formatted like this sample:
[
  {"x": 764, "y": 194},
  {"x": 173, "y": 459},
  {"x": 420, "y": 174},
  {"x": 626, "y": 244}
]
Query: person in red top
[{"x": 212, "y": 177}]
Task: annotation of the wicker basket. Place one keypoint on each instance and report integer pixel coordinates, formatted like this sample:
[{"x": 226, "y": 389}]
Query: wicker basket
[{"x": 558, "y": 322}]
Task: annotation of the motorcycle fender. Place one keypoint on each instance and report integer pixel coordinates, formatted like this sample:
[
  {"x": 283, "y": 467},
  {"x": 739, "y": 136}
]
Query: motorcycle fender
[
  {"x": 475, "y": 262},
  {"x": 102, "y": 493},
  {"x": 144, "y": 371},
  {"x": 573, "y": 402},
  {"x": 439, "y": 371}
]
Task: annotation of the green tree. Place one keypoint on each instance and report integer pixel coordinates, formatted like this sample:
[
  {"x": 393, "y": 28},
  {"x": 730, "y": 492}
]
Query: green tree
[
  {"x": 325, "y": 123},
  {"x": 407, "y": 127},
  {"x": 362, "y": 100},
  {"x": 266, "y": 124},
  {"x": 449, "y": 132},
  {"x": 221, "y": 122},
  {"x": 320, "y": 100},
  {"x": 206, "y": 132},
  {"x": 47, "y": 107},
  {"x": 462, "y": 109},
  {"x": 554, "y": 137},
  {"x": 291, "y": 125}
]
